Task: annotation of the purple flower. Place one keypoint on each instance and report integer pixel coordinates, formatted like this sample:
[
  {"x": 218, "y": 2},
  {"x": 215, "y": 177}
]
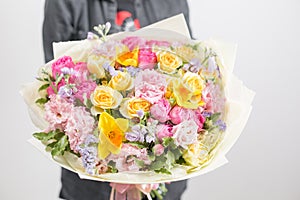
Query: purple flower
[
  {"x": 111, "y": 70},
  {"x": 221, "y": 125},
  {"x": 137, "y": 134},
  {"x": 89, "y": 154}
]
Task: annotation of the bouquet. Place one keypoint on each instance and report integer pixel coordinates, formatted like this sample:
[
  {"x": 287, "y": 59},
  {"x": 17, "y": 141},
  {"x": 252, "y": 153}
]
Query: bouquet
[{"x": 139, "y": 108}]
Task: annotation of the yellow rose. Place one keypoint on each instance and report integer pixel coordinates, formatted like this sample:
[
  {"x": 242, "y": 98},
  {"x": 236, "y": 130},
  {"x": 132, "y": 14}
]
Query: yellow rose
[
  {"x": 188, "y": 91},
  {"x": 186, "y": 52},
  {"x": 193, "y": 81},
  {"x": 168, "y": 62},
  {"x": 129, "y": 58},
  {"x": 121, "y": 82},
  {"x": 104, "y": 97},
  {"x": 196, "y": 154},
  {"x": 111, "y": 134},
  {"x": 130, "y": 107},
  {"x": 94, "y": 65}
]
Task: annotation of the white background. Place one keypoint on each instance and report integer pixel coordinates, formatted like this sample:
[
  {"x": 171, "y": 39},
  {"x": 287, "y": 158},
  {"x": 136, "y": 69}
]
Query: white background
[{"x": 263, "y": 164}]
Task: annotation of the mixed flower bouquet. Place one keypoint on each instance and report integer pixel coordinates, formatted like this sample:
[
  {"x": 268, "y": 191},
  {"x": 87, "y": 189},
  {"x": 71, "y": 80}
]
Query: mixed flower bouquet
[{"x": 134, "y": 108}]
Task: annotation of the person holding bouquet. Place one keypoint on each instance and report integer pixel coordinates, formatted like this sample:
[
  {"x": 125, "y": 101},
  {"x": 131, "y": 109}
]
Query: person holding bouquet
[{"x": 66, "y": 20}]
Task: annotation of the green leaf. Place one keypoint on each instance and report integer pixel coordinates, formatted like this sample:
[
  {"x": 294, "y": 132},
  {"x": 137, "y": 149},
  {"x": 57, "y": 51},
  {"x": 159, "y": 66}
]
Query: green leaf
[
  {"x": 214, "y": 117},
  {"x": 43, "y": 87},
  {"x": 170, "y": 159},
  {"x": 167, "y": 141},
  {"x": 163, "y": 171},
  {"x": 41, "y": 101},
  {"x": 60, "y": 147},
  {"x": 44, "y": 136},
  {"x": 158, "y": 163}
]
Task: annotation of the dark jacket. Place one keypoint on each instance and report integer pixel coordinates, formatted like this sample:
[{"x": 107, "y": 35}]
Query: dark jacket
[{"x": 66, "y": 20}]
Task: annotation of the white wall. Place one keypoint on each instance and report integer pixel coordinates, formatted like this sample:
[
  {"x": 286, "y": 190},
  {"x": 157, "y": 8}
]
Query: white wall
[{"x": 263, "y": 164}]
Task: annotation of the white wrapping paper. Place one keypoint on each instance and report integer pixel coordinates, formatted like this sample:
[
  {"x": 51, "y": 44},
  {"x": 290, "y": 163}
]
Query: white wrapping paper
[{"x": 238, "y": 104}]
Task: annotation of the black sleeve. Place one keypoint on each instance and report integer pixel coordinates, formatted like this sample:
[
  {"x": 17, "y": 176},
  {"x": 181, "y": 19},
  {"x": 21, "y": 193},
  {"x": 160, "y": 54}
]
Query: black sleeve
[{"x": 64, "y": 20}]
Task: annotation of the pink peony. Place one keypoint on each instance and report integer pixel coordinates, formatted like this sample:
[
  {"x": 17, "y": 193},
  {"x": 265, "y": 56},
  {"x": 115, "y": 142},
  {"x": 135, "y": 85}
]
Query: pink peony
[
  {"x": 160, "y": 110},
  {"x": 150, "y": 85},
  {"x": 63, "y": 62},
  {"x": 185, "y": 133},
  {"x": 78, "y": 126},
  {"x": 179, "y": 114},
  {"x": 147, "y": 59},
  {"x": 133, "y": 42},
  {"x": 163, "y": 131},
  {"x": 57, "y": 112}
]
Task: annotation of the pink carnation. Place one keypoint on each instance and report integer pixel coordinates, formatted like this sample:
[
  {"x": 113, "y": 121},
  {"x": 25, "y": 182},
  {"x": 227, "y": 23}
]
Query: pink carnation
[
  {"x": 78, "y": 126},
  {"x": 160, "y": 110},
  {"x": 57, "y": 112},
  {"x": 147, "y": 59},
  {"x": 150, "y": 85},
  {"x": 163, "y": 131}
]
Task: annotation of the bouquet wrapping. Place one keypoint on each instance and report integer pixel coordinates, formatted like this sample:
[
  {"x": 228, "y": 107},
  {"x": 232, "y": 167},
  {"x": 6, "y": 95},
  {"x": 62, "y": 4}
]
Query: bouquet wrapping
[{"x": 145, "y": 107}]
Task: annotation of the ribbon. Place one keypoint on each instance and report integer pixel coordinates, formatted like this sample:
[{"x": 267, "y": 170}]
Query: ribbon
[{"x": 131, "y": 191}]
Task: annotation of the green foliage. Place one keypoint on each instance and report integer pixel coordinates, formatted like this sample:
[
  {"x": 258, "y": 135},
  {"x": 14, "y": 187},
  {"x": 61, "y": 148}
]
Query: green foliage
[
  {"x": 44, "y": 87},
  {"x": 41, "y": 101},
  {"x": 57, "y": 142}
]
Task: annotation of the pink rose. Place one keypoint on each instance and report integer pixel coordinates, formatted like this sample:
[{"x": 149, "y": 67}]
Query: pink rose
[
  {"x": 158, "y": 149},
  {"x": 185, "y": 133},
  {"x": 160, "y": 110},
  {"x": 147, "y": 59},
  {"x": 133, "y": 42},
  {"x": 150, "y": 85},
  {"x": 63, "y": 62},
  {"x": 163, "y": 131}
]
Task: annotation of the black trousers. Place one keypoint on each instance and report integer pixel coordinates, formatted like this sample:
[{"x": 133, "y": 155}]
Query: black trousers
[{"x": 74, "y": 188}]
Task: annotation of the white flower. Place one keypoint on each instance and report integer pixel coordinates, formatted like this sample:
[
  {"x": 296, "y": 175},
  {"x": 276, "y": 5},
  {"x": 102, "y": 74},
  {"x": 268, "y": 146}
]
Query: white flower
[{"x": 185, "y": 133}]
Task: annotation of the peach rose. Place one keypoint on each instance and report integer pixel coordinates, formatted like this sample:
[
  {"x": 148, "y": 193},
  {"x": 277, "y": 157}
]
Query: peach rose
[
  {"x": 130, "y": 107},
  {"x": 121, "y": 82},
  {"x": 105, "y": 97}
]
